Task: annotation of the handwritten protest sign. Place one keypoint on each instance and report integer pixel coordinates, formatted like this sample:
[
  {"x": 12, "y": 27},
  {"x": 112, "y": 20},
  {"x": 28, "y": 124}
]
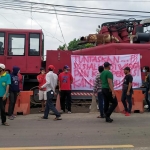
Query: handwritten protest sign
[{"x": 85, "y": 69}]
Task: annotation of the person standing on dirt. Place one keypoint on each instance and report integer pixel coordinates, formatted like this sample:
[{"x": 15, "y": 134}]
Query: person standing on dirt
[
  {"x": 50, "y": 85},
  {"x": 42, "y": 92},
  {"x": 127, "y": 91},
  {"x": 14, "y": 92},
  {"x": 146, "y": 85},
  {"x": 5, "y": 82},
  {"x": 98, "y": 90},
  {"x": 106, "y": 78},
  {"x": 65, "y": 81}
]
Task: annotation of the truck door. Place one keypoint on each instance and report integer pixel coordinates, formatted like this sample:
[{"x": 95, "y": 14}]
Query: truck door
[
  {"x": 16, "y": 51},
  {"x": 2, "y": 47},
  {"x": 34, "y": 53}
]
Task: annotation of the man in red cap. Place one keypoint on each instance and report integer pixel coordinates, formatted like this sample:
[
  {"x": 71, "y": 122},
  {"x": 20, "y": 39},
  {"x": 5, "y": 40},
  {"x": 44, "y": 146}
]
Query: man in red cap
[
  {"x": 65, "y": 81},
  {"x": 50, "y": 85}
]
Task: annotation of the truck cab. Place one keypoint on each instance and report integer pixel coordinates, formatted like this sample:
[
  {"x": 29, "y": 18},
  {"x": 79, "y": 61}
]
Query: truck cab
[{"x": 22, "y": 48}]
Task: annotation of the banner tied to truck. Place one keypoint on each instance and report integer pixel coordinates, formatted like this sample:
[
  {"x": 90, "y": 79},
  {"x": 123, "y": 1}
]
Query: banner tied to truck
[{"x": 85, "y": 69}]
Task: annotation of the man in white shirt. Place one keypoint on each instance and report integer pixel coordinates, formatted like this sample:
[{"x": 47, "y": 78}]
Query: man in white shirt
[{"x": 50, "y": 85}]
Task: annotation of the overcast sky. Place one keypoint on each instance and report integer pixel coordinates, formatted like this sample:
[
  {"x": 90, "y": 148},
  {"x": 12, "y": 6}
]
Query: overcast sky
[{"x": 72, "y": 27}]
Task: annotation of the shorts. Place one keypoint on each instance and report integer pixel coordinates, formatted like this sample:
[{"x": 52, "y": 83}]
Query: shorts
[{"x": 42, "y": 95}]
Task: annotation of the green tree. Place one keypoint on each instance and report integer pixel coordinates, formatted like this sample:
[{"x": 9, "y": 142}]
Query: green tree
[
  {"x": 73, "y": 45},
  {"x": 61, "y": 47}
]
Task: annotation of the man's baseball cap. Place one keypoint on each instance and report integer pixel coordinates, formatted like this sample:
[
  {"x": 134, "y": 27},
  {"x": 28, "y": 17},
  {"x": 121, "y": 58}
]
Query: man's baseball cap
[
  {"x": 2, "y": 66},
  {"x": 107, "y": 64},
  {"x": 127, "y": 68},
  {"x": 66, "y": 67},
  {"x": 51, "y": 67}
]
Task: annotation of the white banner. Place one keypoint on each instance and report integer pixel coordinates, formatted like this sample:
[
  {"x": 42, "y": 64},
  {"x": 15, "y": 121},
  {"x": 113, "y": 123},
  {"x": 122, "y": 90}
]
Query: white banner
[{"x": 85, "y": 69}]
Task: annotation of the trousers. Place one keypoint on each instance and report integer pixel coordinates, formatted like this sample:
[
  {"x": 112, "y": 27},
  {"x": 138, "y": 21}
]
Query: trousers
[
  {"x": 50, "y": 105},
  {"x": 12, "y": 102},
  {"x": 65, "y": 95},
  {"x": 107, "y": 100},
  {"x": 3, "y": 115}
]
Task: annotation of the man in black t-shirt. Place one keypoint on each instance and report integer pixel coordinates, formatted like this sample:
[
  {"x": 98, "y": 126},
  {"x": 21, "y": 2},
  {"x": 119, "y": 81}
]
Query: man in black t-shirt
[{"x": 127, "y": 91}]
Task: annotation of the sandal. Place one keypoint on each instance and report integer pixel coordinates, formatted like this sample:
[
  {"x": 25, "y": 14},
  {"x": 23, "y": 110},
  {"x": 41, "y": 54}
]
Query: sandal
[
  {"x": 41, "y": 111},
  {"x": 43, "y": 117},
  {"x": 5, "y": 124},
  {"x": 100, "y": 117},
  {"x": 57, "y": 118}
]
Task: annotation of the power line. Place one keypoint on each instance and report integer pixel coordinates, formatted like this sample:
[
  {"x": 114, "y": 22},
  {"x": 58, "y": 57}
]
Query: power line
[
  {"x": 80, "y": 12},
  {"x": 46, "y": 31},
  {"x": 9, "y": 21},
  {"x": 63, "y": 14},
  {"x": 75, "y": 7},
  {"x": 66, "y": 6},
  {"x": 59, "y": 26},
  {"x": 39, "y": 11},
  {"x": 52, "y": 36}
]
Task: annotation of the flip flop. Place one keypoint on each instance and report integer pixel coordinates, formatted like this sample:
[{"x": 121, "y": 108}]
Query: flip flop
[
  {"x": 41, "y": 111},
  {"x": 100, "y": 117},
  {"x": 43, "y": 118},
  {"x": 5, "y": 124},
  {"x": 57, "y": 118}
]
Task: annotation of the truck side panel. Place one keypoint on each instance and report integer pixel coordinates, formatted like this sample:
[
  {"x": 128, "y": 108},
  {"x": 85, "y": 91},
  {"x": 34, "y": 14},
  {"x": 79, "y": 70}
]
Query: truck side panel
[{"x": 58, "y": 59}]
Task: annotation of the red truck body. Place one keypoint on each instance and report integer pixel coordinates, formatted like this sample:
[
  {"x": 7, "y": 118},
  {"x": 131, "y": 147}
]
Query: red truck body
[
  {"x": 25, "y": 48},
  {"x": 61, "y": 58}
]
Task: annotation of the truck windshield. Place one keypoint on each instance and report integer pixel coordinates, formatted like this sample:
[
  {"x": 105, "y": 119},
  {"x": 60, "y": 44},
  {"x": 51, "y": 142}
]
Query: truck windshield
[
  {"x": 34, "y": 44},
  {"x": 16, "y": 44}
]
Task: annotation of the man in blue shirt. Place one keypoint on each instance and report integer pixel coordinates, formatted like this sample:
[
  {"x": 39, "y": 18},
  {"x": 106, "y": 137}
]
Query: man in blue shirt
[{"x": 5, "y": 81}]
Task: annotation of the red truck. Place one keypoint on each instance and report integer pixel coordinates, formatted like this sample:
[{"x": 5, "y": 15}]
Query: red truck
[{"x": 25, "y": 48}]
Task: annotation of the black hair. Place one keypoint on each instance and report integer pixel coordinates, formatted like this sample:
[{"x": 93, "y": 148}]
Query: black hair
[
  {"x": 100, "y": 69},
  {"x": 42, "y": 68},
  {"x": 8, "y": 71},
  {"x": 59, "y": 71},
  {"x": 50, "y": 69},
  {"x": 146, "y": 68}
]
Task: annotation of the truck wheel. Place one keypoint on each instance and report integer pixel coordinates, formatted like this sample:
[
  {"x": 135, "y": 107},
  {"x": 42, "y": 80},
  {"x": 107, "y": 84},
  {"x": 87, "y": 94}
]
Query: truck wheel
[{"x": 35, "y": 97}]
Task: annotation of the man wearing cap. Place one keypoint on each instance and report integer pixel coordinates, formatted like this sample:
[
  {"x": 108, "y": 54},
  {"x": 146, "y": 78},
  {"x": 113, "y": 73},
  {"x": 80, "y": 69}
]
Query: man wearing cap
[
  {"x": 65, "y": 81},
  {"x": 50, "y": 85},
  {"x": 127, "y": 91},
  {"x": 5, "y": 81},
  {"x": 42, "y": 92},
  {"x": 108, "y": 91}
]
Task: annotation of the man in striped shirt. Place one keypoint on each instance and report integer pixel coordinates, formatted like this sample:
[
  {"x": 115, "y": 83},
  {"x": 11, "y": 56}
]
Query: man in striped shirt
[{"x": 98, "y": 90}]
